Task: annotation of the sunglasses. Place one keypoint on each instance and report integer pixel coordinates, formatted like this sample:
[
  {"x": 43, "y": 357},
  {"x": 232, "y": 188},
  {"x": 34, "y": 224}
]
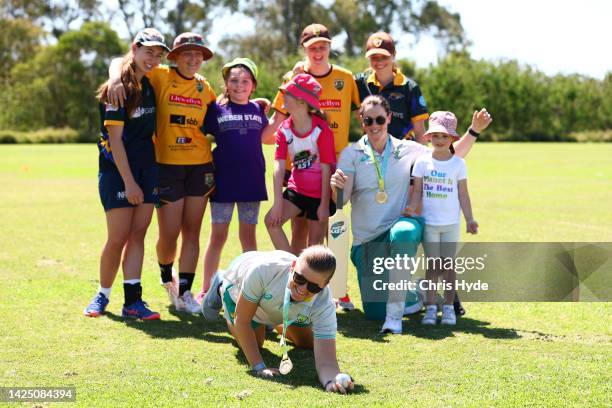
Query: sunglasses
[
  {"x": 300, "y": 280},
  {"x": 369, "y": 121}
]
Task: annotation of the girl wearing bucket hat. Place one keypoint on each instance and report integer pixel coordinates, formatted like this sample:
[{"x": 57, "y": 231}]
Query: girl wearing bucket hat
[
  {"x": 339, "y": 96},
  {"x": 373, "y": 173},
  {"x": 306, "y": 139},
  {"x": 184, "y": 157},
  {"x": 408, "y": 107},
  {"x": 239, "y": 126},
  {"x": 128, "y": 175},
  {"x": 443, "y": 176}
]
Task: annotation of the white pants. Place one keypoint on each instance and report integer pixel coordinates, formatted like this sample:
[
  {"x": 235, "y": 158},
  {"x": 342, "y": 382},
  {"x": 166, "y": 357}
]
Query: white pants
[{"x": 440, "y": 241}]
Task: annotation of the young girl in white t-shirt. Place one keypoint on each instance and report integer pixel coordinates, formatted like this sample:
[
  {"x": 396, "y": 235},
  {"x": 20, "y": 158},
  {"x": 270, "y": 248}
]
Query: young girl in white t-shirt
[{"x": 440, "y": 189}]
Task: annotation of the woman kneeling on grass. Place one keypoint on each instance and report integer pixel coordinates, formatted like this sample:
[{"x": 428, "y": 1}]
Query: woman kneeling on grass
[
  {"x": 277, "y": 288},
  {"x": 127, "y": 179}
]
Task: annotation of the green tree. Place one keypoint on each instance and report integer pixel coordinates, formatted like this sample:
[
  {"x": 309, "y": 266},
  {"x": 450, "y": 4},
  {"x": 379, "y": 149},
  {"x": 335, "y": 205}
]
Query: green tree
[
  {"x": 57, "y": 87},
  {"x": 280, "y": 22}
]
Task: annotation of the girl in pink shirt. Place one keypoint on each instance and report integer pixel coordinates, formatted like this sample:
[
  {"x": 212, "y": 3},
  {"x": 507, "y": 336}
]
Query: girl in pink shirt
[{"x": 307, "y": 139}]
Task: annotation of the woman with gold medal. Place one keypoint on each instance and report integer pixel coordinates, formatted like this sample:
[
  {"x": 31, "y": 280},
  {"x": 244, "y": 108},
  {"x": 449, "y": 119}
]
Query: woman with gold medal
[
  {"x": 290, "y": 293},
  {"x": 374, "y": 173}
]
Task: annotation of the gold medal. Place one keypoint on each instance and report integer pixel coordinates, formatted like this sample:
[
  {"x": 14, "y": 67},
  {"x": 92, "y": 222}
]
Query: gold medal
[
  {"x": 381, "y": 197},
  {"x": 285, "y": 365}
]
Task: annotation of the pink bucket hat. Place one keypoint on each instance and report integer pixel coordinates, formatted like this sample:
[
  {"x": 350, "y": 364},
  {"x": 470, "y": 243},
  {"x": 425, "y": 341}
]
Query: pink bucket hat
[
  {"x": 305, "y": 88},
  {"x": 443, "y": 122}
]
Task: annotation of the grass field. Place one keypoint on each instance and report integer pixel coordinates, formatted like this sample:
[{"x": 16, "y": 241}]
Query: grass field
[{"x": 52, "y": 229}]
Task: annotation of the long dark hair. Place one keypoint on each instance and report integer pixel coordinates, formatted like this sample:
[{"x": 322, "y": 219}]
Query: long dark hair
[{"x": 130, "y": 83}]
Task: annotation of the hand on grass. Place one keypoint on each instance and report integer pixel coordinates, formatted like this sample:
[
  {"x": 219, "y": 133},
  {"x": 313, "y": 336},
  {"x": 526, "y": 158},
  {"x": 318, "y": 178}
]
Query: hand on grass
[
  {"x": 343, "y": 384},
  {"x": 267, "y": 372}
]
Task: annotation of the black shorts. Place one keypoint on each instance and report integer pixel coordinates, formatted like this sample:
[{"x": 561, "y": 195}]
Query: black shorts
[
  {"x": 189, "y": 180},
  {"x": 308, "y": 205},
  {"x": 112, "y": 188}
]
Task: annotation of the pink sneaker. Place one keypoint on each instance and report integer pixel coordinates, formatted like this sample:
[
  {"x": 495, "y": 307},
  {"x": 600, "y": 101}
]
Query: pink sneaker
[{"x": 200, "y": 297}]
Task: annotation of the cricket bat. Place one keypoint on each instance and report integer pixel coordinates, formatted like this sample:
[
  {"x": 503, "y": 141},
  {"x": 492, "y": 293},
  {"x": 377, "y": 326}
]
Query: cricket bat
[{"x": 338, "y": 242}]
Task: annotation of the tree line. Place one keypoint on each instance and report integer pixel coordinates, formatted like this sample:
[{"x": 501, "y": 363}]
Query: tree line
[{"x": 55, "y": 54}]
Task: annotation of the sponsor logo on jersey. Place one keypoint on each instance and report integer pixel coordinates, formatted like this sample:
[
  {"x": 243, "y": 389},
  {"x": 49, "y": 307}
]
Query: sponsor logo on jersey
[
  {"x": 334, "y": 125},
  {"x": 111, "y": 108},
  {"x": 331, "y": 104},
  {"x": 209, "y": 179},
  {"x": 394, "y": 96},
  {"x": 422, "y": 101},
  {"x": 140, "y": 111},
  {"x": 182, "y": 120},
  {"x": 183, "y": 140},
  {"x": 182, "y": 100},
  {"x": 301, "y": 319},
  {"x": 200, "y": 87},
  {"x": 339, "y": 84}
]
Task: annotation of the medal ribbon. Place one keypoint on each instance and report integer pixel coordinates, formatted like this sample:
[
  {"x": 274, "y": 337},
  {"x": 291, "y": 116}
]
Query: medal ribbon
[
  {"x": 283, "y": 341},
  {"x": 381, "y": 168}
]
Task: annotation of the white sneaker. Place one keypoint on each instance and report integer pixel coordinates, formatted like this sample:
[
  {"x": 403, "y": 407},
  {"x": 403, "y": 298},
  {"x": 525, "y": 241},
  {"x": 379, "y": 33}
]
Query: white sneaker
[
  {"x": 448, "y": 315},
  {"x": 186, "y": 303},
  {"x": 172, "y": 289},
  {"x": 431, "y": 315},
  {"x": 392, "y": 325}
]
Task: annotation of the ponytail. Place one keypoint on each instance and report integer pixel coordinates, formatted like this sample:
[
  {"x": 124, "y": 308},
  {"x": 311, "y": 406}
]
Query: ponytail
[{"x": 130, "y": 83}]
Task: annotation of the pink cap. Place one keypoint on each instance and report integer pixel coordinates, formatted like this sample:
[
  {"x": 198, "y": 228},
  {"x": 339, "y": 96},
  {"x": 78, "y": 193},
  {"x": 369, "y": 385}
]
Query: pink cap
[
  {"x": 304, "y": 87},
  {"x": 443, "y": 122}
]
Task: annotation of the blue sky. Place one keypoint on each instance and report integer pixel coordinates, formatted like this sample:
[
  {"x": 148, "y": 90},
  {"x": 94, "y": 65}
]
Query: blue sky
[{"x": 553, "y": 36}]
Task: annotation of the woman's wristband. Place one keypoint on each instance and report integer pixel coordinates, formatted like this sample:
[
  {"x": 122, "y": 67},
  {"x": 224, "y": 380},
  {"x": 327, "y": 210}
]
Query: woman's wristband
[
  {"x": 327, "y": 383},
  {"x": 259, "y": 366},
  {"x": 473, "y": 132}
]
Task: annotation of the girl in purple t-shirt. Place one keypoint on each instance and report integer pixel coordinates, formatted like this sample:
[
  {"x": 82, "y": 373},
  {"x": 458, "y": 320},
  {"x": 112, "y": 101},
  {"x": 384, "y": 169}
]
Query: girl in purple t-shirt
[{"x": 239, "y": 126}]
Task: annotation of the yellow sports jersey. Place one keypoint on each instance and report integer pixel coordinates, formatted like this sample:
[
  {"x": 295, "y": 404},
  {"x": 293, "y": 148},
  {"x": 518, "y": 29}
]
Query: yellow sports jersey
[
  {"x": 181, "y": 106},
  {"x": 338, "y": 97}
]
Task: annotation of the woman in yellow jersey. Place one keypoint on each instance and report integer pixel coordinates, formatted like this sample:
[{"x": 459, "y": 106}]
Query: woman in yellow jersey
[
  {"x": 183, "y": 154},
  {"x": 338, "y": 97}
]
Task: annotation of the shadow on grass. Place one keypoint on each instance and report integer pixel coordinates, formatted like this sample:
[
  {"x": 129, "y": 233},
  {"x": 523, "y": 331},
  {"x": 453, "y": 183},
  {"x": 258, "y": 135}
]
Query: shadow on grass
[
  {"x": 413, "y": 326},
  {"x": 188, "y": 326},
  {"x": 304, "y": 373},
  {"x": 353, "y": 324}
]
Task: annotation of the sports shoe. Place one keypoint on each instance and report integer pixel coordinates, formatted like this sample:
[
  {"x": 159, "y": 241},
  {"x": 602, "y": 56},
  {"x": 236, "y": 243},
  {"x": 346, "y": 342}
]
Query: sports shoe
[
  {"x": 211, "y": 302},
  {"x": 431, "y": 315},
  {"x": 186, "y": 303},
  {"x": 414, "y": 302},
  {"x": 448, "y": 315},
  {"x": 139, "y": 310},
  {"x": 200, "y": 296},
  {"x": 97, "y": 306},
  {"x": 346, "y": 304},
  {"x": 392, "y": 325},
  {"x": 171, "y": 289}
]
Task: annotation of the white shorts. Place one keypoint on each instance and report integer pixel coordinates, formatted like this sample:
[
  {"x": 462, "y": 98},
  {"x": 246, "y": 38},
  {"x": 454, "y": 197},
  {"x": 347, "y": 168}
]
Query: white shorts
[{"x": 440, "y": 241}]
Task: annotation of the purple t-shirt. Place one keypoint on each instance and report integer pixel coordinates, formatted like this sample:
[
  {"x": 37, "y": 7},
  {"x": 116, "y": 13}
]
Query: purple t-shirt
[{"x": 240, "y": 168}]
